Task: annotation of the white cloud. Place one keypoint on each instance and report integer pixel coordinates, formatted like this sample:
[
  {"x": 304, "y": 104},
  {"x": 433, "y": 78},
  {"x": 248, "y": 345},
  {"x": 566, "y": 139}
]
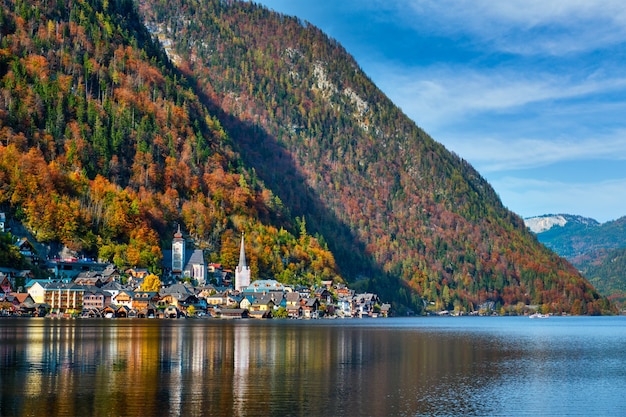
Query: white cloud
[
  {"x": 497, "y": 155},
  {"x": 439, "y": 95},
  {"x": 553, "y": 27}
]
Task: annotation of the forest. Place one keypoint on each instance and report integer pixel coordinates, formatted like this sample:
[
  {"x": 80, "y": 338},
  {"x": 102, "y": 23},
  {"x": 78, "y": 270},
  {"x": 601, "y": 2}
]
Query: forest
[
  {"x": 119, "y": 121},
  {"x": 106, "y": 149}
]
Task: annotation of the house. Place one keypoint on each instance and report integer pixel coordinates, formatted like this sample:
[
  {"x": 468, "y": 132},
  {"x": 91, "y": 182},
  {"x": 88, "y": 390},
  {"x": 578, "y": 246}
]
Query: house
[
  {"x": 95, "y": 298},
  {"x": 385, "y": 309},
  {"x": 323, "y": 295},
  {"x": 279, "y": 299},
  {"x": 93, "y": 278},
  {"x": 5, "y": 284},
  {"x": 178, "y": 295},
  {"x": 246, "y": 302},
  {"x": 292, "y": 299},
  {"x": 109, "y": 311},
  {"x": 310, "y": 308},
  {"x": 363, "y": 304},
  {"x": 216, "y": 273},
  {"x": 343, "y": 291},
  {"x": 262, "y": 303},
  {"x": 27, "y": 250},
  {"x": 143, "y": 299},
  {"x": 113, "y": 288},
  {"x": 294, "y": 311},
  {"x": 215, "y": 299},
  {"x": 3, "y": 222},
  {"x": 110, "y": 274},
  {"x": 24, "y": 303},
  {"x": 139, "y": 273},
  {"x": 10, "y": 273},
  {"x": 123, "y": 298},
  {"x": 16, "y": 299},
  {"x": 344, "y": 305},
  {"x": 305, "y": 292}
]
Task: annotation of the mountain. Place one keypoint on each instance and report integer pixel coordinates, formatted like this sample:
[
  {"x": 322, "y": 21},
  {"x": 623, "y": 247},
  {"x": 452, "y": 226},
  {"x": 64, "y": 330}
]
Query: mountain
[
  {"x": 120, "y": 121},
  {"x": 596, "y": 249},
  {"x": 546, "y": 222},
  {"x": 106, "y": 149}
]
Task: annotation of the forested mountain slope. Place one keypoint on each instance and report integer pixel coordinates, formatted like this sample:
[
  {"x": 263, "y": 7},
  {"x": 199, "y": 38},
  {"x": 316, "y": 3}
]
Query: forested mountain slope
[
  {"x": 106, "y": 148},
  {"x": 392, "y": 203},
  {"x": 257, "y": 123}
]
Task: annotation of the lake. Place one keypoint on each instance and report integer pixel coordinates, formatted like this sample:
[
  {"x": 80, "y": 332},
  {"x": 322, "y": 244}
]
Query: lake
[{"x": 480, "y": 366}]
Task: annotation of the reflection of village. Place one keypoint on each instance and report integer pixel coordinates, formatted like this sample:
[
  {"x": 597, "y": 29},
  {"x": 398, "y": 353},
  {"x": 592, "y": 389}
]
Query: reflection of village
[
  {"x": 190, "y": 288},
  {"x": 185, "y": 367}
]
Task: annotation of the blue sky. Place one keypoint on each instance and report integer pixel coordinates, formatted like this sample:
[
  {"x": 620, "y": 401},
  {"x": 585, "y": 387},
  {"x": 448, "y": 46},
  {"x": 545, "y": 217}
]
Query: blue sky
[{"x": 531, "y": 92}]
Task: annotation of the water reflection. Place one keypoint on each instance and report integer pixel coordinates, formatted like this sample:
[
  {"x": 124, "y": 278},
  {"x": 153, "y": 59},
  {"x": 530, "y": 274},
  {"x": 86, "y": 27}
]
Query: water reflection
[{"x": 211, "y": 367}]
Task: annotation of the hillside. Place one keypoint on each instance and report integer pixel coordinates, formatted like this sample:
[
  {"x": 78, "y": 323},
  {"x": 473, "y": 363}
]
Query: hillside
[
  {"x": 607, "y": 272},
  {"x": 391, "y": 202},
  {"x": 597, "y": 250},
  {"x": 257, "y": 122},
  {"x": 106, "y": 148}
]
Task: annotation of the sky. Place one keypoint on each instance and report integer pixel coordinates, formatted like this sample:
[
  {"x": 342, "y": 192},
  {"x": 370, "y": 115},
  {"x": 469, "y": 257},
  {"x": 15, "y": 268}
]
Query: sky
[{"x": 531, "y": 92}]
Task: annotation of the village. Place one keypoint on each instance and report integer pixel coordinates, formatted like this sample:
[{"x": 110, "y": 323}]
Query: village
[{"x": 188, "y": 288}]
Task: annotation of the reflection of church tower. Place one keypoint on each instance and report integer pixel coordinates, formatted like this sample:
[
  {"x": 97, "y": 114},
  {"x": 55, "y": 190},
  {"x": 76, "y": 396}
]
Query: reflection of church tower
[
  {"x": 178, "y": 253},
  {"x": 242, "y": 272}
]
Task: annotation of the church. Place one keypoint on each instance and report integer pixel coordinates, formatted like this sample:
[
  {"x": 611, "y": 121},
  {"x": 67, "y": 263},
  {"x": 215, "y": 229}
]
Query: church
[
  {"x": 183, "y": 263},
  {"x": 242, "y": 272}
]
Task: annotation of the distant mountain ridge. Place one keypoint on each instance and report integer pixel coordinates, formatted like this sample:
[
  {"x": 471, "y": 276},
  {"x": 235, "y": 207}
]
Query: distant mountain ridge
[
  {"x": 540, "y": 224},
  {"x": 572, "y": 235},
  {"x": 597, "y": 249}
]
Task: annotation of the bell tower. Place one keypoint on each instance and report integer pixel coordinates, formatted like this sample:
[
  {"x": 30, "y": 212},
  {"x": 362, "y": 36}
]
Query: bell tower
[{"x": 178, "y": 253}]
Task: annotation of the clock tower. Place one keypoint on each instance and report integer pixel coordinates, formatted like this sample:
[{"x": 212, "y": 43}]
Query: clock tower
[{"x": 178, "y": 252}]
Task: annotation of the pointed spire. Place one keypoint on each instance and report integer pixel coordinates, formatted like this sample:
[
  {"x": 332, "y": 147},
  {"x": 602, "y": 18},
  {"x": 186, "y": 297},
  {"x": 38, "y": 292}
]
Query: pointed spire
[{"x": 242, "y": 254}]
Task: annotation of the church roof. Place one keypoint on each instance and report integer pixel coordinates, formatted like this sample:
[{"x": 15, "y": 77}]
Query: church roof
[{"x": 242, "y": 255}]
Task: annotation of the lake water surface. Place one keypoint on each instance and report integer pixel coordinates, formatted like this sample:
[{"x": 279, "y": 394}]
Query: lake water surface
[{"x": 482, "y": 366}]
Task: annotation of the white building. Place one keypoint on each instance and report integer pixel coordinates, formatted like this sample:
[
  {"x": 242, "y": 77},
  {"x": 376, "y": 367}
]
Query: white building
[{"x": 242, "y": 272}]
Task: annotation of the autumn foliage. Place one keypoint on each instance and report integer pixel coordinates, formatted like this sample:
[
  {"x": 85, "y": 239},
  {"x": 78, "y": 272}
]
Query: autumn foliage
[
  {"x": 106, "y": 148},
  {"x": 264, "y": 125}
]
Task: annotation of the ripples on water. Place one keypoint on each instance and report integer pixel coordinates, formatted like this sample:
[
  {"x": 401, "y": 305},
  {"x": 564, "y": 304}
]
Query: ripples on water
[{"x": 380, "y": 367}]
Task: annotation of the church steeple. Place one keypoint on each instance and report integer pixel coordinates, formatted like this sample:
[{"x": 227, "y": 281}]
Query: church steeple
[
  {"x": 242, "y": 272},
  {"x": 242, "y": 254}
]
